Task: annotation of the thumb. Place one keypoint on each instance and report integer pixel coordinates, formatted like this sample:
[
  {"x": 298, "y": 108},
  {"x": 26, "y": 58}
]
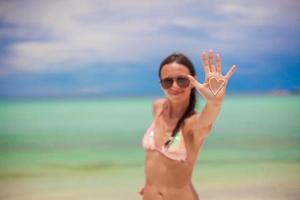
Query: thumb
[{"x": 193, "y": 81}]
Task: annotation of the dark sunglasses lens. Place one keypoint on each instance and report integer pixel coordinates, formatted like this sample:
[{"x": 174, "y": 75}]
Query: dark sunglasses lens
[
  {"x": 183, "y": 82},
  {"x": 166, "y": 83}
]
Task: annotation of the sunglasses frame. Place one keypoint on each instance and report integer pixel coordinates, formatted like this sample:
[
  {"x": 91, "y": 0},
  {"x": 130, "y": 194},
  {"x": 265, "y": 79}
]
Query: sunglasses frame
[{"x": 175, "y": 79}]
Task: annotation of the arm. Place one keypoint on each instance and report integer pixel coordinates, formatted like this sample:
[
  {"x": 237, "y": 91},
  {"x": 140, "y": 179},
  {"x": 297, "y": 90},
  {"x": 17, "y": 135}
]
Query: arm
[
  {"x": 209, "y": 114},
  {"x": 212, "y": 90},
  {"x": 156, "y": 105},
  {"x": 201, "y": 123},
  {"x": 141, "y": 191}
]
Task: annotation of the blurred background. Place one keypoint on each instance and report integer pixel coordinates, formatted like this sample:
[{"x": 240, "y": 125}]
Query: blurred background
[{"x": 77, "y": 80}]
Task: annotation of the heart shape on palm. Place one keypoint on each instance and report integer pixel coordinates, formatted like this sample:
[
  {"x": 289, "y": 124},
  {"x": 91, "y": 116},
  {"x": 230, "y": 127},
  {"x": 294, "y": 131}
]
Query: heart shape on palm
[{"x": 215, "y": 85}]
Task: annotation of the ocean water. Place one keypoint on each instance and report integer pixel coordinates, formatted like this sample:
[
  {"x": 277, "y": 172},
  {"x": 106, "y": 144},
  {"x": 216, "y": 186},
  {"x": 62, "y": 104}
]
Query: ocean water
[{"x": 48, "y": 139}]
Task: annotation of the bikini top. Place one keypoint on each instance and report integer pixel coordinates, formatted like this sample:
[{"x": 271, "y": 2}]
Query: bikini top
[{"x": 175, "y": 149}]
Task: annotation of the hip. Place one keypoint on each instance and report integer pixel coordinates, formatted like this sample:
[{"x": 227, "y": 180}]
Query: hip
[{"x": 187, "y": 192}]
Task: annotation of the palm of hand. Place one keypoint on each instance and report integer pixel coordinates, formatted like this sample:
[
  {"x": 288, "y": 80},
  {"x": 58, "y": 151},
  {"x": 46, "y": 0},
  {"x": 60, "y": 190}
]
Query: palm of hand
[{"x": 210, "y": 92}]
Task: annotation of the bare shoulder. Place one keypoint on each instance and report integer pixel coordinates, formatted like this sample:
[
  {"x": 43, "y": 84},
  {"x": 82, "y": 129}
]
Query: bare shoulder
[
  {"x": 194, "y": 127},
  {"x": 156, "y": 105}
]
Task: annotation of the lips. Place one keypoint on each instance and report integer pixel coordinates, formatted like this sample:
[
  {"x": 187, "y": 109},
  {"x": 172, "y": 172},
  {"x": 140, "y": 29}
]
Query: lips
[{"x": 175, "y": 93}]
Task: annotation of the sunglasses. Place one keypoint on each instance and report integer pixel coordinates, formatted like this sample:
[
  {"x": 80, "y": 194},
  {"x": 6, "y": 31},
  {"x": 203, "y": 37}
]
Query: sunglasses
[{"x": 182, "y": 82}]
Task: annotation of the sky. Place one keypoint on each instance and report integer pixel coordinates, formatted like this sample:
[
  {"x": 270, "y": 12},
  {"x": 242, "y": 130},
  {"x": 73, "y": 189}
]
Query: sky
[{"x": 74, "y": 48}]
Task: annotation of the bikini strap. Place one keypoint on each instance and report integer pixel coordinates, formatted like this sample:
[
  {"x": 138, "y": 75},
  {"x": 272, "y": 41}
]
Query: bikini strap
[{"x": 160, "y": 111}]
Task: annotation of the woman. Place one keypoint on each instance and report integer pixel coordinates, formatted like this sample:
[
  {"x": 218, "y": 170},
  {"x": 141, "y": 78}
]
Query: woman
[{"x": 173, "y": 140}]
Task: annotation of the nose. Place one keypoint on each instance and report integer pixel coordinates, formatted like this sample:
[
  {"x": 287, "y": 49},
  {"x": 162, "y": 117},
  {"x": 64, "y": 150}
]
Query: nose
[{"x": 175, "y": 86}]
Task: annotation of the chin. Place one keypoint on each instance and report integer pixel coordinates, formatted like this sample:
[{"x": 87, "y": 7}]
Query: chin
[{"x": 177, "y": 97}]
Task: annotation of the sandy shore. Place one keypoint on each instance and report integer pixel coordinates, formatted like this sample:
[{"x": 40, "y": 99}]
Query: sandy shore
[{"x": 114, "y": 184}]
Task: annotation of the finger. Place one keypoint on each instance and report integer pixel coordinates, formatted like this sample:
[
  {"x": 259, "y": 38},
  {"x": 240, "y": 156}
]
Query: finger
[
  {"x": 230, "y": 72},
  {"x": 218, "y": 63},
  {"x": 193, "y": 81},
  {"x": 205, "y": 63},
  {"x": 211, "y": 61}
]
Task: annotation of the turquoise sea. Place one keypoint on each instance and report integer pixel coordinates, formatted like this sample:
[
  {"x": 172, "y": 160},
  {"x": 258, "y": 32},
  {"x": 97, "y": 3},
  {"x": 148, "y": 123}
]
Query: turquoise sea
[{"x": 91, "y": 149}]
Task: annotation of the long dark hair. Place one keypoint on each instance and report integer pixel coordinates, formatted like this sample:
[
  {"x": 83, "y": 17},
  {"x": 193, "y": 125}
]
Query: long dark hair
[{"x": 185, "y": 61}]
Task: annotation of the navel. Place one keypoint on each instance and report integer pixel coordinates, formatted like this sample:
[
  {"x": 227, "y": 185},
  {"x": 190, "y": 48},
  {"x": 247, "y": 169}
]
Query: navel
[{"x": 160, "y": 193}]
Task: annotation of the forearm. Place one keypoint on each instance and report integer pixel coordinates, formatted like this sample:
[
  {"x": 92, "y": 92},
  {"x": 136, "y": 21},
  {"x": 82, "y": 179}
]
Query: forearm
[{"x": 210, "y": 113}]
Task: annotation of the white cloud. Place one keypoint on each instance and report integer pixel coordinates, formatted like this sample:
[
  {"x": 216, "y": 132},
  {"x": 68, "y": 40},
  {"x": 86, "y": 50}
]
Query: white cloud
[{"x": 65, "y": 34}]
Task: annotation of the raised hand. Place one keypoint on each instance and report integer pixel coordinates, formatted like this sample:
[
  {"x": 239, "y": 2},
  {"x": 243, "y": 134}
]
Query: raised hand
[{"x": 214, "y": 86}]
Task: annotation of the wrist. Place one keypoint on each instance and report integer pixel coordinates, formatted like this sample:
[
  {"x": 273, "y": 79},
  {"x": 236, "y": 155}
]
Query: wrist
[{"x": 215, "y": 102}]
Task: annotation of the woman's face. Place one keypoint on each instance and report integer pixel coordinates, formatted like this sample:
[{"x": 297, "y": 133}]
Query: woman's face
[{"x": 175, "y": 93}]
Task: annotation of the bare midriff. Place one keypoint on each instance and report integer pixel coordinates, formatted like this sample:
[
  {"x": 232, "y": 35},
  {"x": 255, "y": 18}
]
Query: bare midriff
[{"x": 168, "y": 179}]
